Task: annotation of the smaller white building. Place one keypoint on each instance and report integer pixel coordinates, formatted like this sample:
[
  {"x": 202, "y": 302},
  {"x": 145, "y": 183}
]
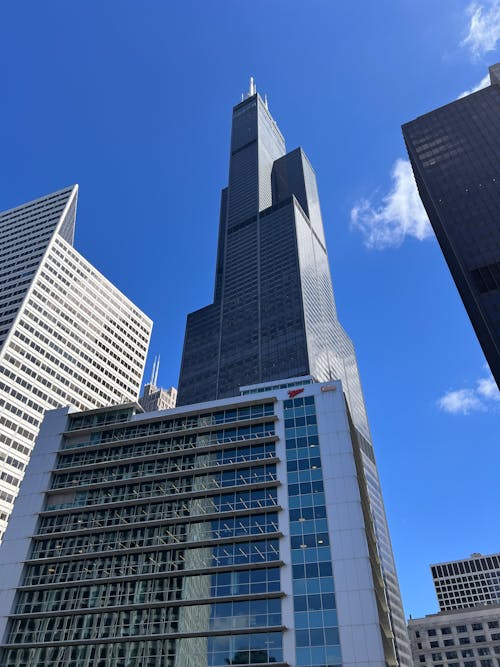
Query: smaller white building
[{"x": 467, "y": 582}]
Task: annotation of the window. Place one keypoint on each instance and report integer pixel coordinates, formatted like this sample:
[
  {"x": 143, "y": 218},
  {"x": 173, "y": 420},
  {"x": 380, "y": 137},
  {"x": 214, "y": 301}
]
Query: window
[
  {"x": 493, "y": 624},
  {"x": 434, "y": 644},
  {"x": 461, "y": 628},
  {"x": 477, "y": 626},
  {"x": 431, "y": 632},
  {"x": 464, "y": 640},
  {"x": 480, "y": 638},
  {"x": 446, "y": 631},
  {"x": 448, "y": 642}
]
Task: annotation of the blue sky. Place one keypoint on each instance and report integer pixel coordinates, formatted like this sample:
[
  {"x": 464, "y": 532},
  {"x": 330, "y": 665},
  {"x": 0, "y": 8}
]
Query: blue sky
[{"x": 132, "y": 100}]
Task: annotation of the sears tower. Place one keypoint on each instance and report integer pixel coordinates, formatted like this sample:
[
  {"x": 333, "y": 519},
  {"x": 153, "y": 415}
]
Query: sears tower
[{"x": 273, "y": 316}]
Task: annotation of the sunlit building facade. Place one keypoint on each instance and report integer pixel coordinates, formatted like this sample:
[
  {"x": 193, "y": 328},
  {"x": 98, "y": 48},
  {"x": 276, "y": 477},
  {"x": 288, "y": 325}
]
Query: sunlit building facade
[
  {"x": 67, "y": 335},
  {"x": 231, "y": 532},
  {"x": 466, "y": 631},
  {"x": 467, "y": 582}
]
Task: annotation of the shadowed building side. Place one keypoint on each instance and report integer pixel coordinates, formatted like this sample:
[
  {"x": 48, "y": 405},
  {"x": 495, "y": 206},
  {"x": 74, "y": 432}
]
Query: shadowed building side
[{"x": 454, "y": 152}]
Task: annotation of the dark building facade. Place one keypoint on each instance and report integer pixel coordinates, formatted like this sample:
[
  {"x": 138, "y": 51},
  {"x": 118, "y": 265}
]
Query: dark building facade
[
  {"x": 455, "y": 155},
  {"x": 274, "y": 313}
]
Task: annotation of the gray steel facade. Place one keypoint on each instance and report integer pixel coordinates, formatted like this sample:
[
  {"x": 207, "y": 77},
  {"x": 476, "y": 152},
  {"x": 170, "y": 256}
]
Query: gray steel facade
[{"x": 455, "y": 155}]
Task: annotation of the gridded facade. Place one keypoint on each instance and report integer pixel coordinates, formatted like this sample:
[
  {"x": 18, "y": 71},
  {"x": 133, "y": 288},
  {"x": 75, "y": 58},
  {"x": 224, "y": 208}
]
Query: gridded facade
[
  {"x": 67, "y": 335},
  {"x": 227, "y": 533},
  {"x": 460, "y": 638},
  {"x": 467, "y": 583},
  {"x": 454, "y": 154},
  {"x": 274, "y": 313}
]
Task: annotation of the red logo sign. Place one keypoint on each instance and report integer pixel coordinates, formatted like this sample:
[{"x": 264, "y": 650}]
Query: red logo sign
[{"x": 293, "y": 392}]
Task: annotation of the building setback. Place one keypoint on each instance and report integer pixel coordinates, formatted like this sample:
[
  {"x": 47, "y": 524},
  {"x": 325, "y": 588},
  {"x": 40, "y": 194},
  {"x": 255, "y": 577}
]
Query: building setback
[
  {"x": 273, "y": 314},
  {"x": 454, "y": 152},
  {"x": 236, "y": 531},
  {"x": 67, "y": 335}
]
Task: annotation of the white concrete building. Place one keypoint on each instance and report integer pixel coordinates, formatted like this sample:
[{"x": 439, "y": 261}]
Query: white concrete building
[
  {"x": 457, "y": 638},
  {"x": 467, "y": 582},
  {"x": 67, "y": 335}
]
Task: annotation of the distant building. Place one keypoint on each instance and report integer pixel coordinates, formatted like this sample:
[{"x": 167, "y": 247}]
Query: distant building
[
  {"x": 156, "y": 398},
  {"x": 67, "y": 335},
  {"x": 466, "y": 632},
  {"x": 458, "y": 638},
  {"x": 467, "y": 583},
  {"x": 454, "y": 152}
]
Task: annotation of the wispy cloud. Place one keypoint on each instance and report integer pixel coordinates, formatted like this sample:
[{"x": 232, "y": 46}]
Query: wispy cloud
[
  {"x": 484, "y": 27},
  {"x": 483, "y": 397},
  {"x": 482, "y": 84},
  {"x": 396, "y": 215}
]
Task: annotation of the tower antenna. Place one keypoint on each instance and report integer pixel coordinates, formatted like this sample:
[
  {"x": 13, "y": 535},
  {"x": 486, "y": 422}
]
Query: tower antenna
[
  {"x": 153, "y": 372},
  {"x": 156, "y": 374}
]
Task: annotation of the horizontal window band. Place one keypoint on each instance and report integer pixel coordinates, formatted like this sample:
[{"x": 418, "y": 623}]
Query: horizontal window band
[
  {"x": 165, "y": 636},
  {"x": 265, "y": 565},
  {"x": 195, "y": 518},
  {"x": 196, "y": 473},
  {"x": 179, "y": 546}
]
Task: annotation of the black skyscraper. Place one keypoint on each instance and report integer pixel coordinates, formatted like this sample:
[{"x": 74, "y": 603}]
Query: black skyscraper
[
  {"x": 274, "y": 312},
  {"x": 273, "y": 315},
  {"x": 455, "y": 155}
]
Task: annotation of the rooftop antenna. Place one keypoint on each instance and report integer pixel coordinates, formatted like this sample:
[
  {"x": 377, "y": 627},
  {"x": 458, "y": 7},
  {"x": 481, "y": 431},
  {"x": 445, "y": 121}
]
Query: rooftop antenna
[
  {"x": 156, "y": 374},
  {"x": 153, "y": 372},
  {"x": 265, "y": 101},
  {"x": 251, "y": 88}
]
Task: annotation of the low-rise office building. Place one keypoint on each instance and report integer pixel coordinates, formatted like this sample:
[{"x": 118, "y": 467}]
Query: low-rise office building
[
  {"x": 458, "y": 638},
  {"x": 236, "y": 531}
]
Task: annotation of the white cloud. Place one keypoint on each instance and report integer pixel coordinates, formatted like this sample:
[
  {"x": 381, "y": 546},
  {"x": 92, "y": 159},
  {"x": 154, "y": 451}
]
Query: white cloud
[
  {"x": 483, "y": 397},
  {"x": 487, "y": 388},
  {"x": 484, "y": 27},
  {"x": 460, "y": 401},
  {"x": 482, "y": 84},
  {"x": 400, "y": 213}
]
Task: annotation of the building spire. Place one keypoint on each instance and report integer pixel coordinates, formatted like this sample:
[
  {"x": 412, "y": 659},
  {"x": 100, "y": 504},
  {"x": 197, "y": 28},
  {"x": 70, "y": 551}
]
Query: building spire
[
  {"x": 154, "y": 372},
  {"x": 252, "y": 89}
]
